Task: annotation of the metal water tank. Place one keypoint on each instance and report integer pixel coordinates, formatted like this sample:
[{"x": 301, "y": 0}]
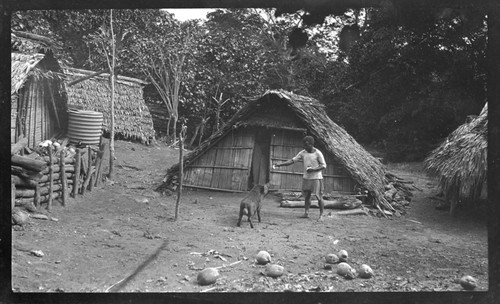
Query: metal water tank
[{"x": 84, "y": 126}]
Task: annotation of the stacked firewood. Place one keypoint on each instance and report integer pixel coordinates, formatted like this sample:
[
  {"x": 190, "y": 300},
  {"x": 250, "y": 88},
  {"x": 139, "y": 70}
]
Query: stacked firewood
[
  {"x": 398, "y": 192},
  {"x": 52, "y": 171}
]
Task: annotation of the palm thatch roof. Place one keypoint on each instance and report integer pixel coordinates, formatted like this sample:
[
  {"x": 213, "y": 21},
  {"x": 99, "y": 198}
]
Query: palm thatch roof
[
  {"x": 132, "y": 117},
  {"x": 460, "y": 162},
  {"x": 22, "y": 66},
  {"x": 365, "y": 169}
]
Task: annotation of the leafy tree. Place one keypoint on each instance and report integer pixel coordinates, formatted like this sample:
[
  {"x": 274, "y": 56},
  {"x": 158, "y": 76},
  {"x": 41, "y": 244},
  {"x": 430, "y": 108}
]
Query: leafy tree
[{"x": 408, "y": 83}]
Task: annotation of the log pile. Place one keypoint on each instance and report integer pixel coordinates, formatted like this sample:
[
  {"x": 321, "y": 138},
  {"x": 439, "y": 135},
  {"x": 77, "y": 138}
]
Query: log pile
[
  {"x": 52, "y": 171},
  {"x": 398, "y": 193}
]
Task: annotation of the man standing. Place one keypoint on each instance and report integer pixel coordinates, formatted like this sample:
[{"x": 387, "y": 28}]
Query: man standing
[{"x": 312, "y": 181}]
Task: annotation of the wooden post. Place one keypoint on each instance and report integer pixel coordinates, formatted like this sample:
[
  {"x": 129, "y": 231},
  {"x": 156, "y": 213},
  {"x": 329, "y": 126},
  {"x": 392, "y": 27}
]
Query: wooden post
[
  {"x": 98, "y": 163},
  {"x": 38, "y": 192},
  {"x": 62, "y": 174},
  {"x": 13, "y": 194},
  {"x": 76, "y": 176},
  {"x": 51, "y": 181},
  {"x": 181, "y": 170},
  {"x": 89, "y": 169}
]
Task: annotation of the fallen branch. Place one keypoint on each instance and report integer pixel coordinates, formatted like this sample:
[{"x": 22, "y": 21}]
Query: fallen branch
[
  {"x": 232, "y": 264},
  {"x": 120, "y": 284}
]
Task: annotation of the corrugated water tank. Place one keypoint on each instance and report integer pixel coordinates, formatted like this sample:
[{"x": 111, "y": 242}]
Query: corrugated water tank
[{"x": 84, "y": 126}]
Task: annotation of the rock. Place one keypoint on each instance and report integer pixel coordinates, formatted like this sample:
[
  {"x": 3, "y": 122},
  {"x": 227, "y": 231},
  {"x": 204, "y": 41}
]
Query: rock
[
  {"x": 37, "y": 253},
  {"x": 19, "y": 217},
  {"x": 263, "y": 257},
  {"x": 468, "y": 282},
  {"x": 274, "y": 270},
  {"x": 332, "y": 258},
  {"x": 365, "y": 271},
  {"x": 346, "y": 271},
  {"x": 343, "y": 256},
  {"x": 207, "y": 276}
]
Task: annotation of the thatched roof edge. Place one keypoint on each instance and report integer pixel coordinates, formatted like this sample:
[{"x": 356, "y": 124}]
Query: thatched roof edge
[
  {"x": 460, "y": 162},
  {"x": 105, "y": 76},
  {"x": 21, "y": 66}
]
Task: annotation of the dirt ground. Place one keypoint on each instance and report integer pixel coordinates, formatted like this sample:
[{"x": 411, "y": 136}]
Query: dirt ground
[{"x": 104, "y": 236}]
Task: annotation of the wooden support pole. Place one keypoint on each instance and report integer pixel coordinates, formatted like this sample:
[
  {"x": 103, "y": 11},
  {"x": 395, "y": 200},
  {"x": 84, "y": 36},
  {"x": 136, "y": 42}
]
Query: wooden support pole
[
  {"x": 89, "y": 168},
  {"x": 98, "y": 163},
  {"x": 76, "y": 176},
  {"x": 13, "y": 194},
  {"x": 63, "y": 178},
  {"x": 51, "y": 178},
  {"x": 38, "y": 192},
  {"x": 91, "y": 176}
]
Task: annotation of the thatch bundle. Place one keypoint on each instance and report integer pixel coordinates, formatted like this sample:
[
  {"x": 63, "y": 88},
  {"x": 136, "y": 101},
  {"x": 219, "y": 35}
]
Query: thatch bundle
[
  {"x": 132, "y": 117},
  {"x": 361, "y": 165},
  {"x": 21, "y": 65},
  {"x": 460, "y": 162}
]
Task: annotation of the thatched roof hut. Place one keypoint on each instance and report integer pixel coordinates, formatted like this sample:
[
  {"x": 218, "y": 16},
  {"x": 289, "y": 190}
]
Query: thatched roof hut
[
  {"x": 269, "y": 129},
  {"x": 460, "y": 162},
  {"x": 132, "y": 117},
  {"x": 38, "y": 109}
]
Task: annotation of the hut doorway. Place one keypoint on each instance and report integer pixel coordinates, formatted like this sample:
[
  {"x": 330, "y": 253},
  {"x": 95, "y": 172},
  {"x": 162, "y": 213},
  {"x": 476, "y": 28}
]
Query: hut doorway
[{"x": 260, "y": 158}]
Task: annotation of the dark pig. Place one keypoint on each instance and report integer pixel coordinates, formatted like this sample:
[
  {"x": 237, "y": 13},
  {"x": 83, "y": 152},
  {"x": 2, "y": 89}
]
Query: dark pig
[{"x": 251, "y": 204}]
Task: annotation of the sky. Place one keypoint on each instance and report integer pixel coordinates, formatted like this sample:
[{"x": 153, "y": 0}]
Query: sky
[{"x": 183, "y": 14}]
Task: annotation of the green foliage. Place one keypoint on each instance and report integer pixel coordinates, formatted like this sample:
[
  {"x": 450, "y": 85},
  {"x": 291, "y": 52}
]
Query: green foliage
[
  {"x": 409, "y": 84},
  {"x": 411, "y": 78}
]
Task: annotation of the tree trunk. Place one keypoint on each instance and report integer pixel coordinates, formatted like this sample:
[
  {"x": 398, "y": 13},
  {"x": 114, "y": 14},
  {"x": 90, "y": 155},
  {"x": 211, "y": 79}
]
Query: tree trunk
[
  {"x": 174, "y": 127},
  {"x": 181, "y": 170},
  {"x": 112, "y": 79}
]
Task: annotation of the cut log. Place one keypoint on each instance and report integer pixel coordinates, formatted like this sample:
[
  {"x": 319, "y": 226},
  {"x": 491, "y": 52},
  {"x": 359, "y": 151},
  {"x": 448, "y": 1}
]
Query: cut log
[
  {"x": 57, "y": 168},
  {"x": 67, "y": 160},
  {"x": 43, "y": 190},
  {"x": 19, "y": 145},
  {"x": 22, "y": 202},
  {"x": 28, "y": 163},
  {"x": 45, "y": 178},
  {"x": 18, "y": 181},
  {"x": 25, "y": 174},
  {"x": 329, "y": 204},
  {"x": 357, "y": 211}
]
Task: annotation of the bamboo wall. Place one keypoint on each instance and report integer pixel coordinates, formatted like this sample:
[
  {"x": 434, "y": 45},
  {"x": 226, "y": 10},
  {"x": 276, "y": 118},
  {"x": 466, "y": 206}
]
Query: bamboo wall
[
  {"x": 36, "y": 117},
  {"x": 225, "y": 166}
]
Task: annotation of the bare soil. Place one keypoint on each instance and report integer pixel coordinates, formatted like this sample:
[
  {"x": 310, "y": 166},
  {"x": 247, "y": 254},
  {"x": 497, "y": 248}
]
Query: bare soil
[{"x": 103, "y": 237}]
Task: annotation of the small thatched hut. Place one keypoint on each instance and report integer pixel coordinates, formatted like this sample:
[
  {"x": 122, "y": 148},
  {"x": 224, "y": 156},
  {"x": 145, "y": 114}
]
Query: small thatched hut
[
  {"x": 132, "y": 117},
  {"x": 460, "y": 162},
  {"x": 269, "y": 129},
  {"x": 38, "y": 109}
]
